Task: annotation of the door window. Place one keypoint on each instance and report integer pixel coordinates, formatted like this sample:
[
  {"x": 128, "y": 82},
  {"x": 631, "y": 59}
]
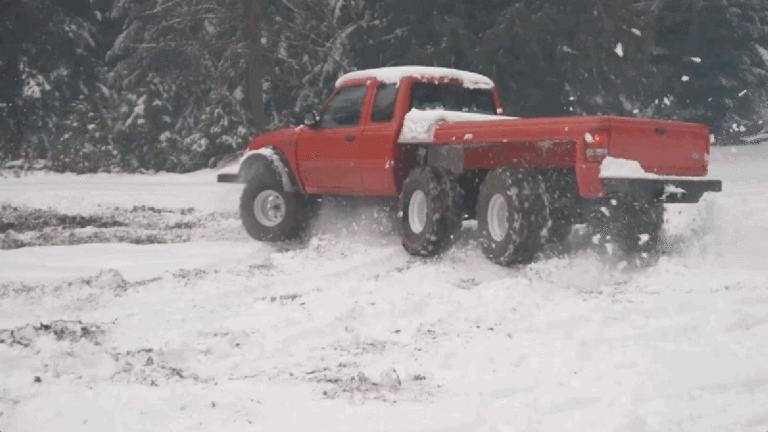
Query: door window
[
  {"x": 343, "y": 109},
  {"x": 384, "y": 102}
]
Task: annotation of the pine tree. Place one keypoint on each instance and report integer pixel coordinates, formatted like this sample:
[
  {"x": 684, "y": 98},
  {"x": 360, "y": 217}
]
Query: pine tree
[
  {"x": 181, "y": 66},
  {"x": 308, "y": 46},
  {"x": 586, "y": 57},
  {"x": 83, "y": 142},
  {"x": 433, "y": 33},
  {"x": 169, "y": 59},
  {"x": 49, "y": 58},
  {"x": 716, "y": 63},
  {"x": 148, "y": 113},
  {"x": 225, "y": 127}
]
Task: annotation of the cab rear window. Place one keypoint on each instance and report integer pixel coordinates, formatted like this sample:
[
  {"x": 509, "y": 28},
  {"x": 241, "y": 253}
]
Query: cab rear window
[{"x": 429, "y": 96}]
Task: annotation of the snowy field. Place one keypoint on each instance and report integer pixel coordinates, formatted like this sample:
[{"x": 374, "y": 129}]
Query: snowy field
[{"x": 153, "y": 311}]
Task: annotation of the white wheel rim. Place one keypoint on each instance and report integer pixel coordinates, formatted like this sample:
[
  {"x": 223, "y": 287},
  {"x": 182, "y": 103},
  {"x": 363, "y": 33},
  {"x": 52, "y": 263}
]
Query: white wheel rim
[
  {"x": 497, "y": 217},
  {"x": 269, "y": 208},
  {"x": 417, "y": 212}
]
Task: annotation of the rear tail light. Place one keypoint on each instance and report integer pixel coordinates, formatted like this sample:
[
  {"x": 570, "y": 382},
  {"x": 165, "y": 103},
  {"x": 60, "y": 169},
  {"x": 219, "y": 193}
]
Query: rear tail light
[{"x": 596, "y": 145}]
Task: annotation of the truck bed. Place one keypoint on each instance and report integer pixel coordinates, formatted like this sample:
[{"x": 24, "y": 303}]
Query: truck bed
[{"x": 660, "y": 146}]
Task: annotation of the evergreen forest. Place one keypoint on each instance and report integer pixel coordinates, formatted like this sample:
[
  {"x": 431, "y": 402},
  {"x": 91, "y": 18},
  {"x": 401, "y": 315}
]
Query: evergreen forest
[{"x": 177, "y": 85}]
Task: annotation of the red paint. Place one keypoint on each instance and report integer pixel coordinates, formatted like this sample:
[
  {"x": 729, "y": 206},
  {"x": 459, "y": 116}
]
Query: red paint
[
  {"x": 670, "y": 151},
  {"x": 587, "y": 181},
  {"x": 377, "y": 158},
  {"x": 555, "y": 154}
]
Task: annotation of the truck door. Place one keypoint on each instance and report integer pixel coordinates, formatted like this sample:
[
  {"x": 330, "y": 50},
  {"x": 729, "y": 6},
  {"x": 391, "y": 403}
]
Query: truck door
[
  {"x": 376, "y": 146},
  {"x": 328, "y": 153}
]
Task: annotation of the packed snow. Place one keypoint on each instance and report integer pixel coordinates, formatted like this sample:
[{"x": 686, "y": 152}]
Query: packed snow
[
  {"x": 395, "y": 73},
  {"x": 613, "y": 167},
  {"x": 419, "y": 125},
  {"x": 73, "y": 193},
  {"x": 347, "y": 332},
  {"x": 757, "y": 139}
]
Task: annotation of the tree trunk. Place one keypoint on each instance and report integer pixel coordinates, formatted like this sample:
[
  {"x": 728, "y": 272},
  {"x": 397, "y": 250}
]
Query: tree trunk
[{"x": 253, "y": 22}]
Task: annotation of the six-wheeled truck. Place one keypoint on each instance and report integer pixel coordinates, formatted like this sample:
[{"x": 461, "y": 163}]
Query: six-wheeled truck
[{"x": 437, "y": 139}]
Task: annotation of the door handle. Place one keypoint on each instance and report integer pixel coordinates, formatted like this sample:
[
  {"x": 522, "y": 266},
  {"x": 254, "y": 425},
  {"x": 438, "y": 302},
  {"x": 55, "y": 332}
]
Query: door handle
[{"x": 349, "y": 138}]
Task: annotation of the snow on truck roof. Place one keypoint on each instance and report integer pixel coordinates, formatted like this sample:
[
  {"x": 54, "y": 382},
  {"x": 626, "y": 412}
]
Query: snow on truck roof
[{"x": 395, "y": 73}]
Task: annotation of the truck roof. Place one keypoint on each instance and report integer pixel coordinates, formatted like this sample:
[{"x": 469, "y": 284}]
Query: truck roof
[{"x": 395, "y": 73}]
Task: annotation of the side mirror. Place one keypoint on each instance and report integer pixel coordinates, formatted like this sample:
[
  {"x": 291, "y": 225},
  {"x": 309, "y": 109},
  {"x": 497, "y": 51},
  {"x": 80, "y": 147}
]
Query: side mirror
[{"x": 310, "y": 119}]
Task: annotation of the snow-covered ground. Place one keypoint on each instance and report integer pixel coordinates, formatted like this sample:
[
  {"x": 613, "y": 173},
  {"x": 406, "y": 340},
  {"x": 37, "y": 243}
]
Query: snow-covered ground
[{"x": 349, "y": 333}]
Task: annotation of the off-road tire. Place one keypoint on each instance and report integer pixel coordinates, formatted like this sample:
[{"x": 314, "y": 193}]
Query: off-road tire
[
  {"x": 514, "y": 238},
  {"x": 562, "y": 199},
  {"x": 562, "y": 224},
  {"x": 626, "y": 226},
  {"x": 263, "y": 222},
  {"x": 430, "y": 211}
]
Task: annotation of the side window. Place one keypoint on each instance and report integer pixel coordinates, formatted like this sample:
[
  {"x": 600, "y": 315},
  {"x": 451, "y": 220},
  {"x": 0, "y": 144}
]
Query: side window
[
  {"x": 343, "y": 109},
  {"x": 384, "y": 102}
]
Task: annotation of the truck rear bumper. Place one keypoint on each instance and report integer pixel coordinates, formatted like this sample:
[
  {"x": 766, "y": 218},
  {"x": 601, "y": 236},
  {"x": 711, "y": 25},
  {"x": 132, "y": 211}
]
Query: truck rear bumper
[{"x": 665, "y": 190}]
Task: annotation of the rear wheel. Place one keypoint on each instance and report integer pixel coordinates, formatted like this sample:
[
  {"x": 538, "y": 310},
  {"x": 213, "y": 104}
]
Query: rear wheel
[
  {"x": 430, "y": 211},
  {"x": 562, "y": 201},
  {"x": 512, "y": 216},
  {"x": 562, "y": 225},
  {"x": 627, "y": 226}
]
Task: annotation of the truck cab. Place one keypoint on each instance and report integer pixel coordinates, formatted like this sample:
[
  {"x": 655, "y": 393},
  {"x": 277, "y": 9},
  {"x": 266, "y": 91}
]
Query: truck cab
[{"x": 351, "y": 146}]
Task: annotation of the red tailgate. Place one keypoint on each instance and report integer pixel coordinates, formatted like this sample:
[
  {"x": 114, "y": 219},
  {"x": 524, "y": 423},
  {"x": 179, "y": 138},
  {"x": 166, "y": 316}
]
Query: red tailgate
[{"x": 661, "y": 146}]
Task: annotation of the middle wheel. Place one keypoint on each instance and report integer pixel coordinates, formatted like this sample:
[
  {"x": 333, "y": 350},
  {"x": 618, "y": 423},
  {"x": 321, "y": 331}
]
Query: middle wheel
[
  {"x": 512, "y": 215},
  {"x": 431, "y": 210}
]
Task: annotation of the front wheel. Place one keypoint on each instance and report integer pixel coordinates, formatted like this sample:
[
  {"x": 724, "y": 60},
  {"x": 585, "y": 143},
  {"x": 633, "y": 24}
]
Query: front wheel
[
  {"x": 271, "y": 214},
  {"x": 512, "y": 216}
]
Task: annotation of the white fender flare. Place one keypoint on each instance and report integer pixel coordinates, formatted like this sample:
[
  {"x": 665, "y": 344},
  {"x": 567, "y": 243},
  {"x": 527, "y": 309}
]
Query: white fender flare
[{"x": 278, "y": 162}]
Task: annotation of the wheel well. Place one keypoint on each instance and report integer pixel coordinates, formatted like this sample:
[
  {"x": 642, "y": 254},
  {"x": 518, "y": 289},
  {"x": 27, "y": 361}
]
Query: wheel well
[
  {"x": 469, "y": 182},
  {"x": 563, "y": 195},
  {"x": 408, "y": 157},
  {"x": 560, "y": 184},
  {"x": 268, "y": 158}
]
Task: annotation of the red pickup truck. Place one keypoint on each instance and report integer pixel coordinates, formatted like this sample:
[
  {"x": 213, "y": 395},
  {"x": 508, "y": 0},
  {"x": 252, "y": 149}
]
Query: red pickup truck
[{"x": 437, "y": 139}]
